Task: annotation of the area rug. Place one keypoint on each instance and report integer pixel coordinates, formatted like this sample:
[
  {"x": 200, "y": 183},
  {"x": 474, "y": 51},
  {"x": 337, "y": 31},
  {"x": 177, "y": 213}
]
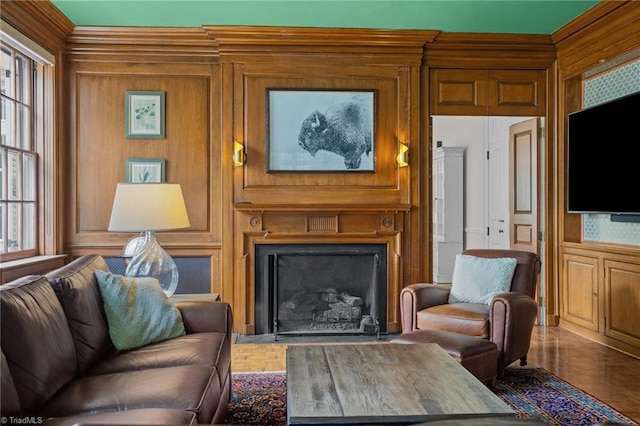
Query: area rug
[{"x": 260, "y": 399}]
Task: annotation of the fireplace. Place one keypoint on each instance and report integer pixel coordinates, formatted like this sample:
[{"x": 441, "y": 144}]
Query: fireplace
[{"x": 321, "y": 289}]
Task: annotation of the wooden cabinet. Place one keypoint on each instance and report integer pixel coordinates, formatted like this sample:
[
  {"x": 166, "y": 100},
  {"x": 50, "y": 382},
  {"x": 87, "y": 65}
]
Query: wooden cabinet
[
  {"x": 580, "y": 292},
  {"x": 448, "y": 210},
  {"x": 622, "y": 301},
  {"x": 601, "y": 297},
  {"x": 488, "y": 92}
]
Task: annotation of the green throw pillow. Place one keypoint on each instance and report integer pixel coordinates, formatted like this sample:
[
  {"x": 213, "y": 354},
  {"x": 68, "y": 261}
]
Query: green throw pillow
[{"x": 138, "y": 311}]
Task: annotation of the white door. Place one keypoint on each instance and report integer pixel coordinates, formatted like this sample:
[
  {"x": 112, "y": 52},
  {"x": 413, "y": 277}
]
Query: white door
[
  {"x": 497, "y": 181},
  {"x": 498, "y": 185}
]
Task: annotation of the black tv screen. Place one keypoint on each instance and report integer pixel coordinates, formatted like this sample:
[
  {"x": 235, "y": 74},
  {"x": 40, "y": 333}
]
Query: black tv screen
[{"x": 603, "y": 158}]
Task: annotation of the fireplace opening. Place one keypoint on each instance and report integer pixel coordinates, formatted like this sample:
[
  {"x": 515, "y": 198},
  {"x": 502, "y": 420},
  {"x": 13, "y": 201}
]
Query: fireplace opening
[{"x": 321, "y": 289}]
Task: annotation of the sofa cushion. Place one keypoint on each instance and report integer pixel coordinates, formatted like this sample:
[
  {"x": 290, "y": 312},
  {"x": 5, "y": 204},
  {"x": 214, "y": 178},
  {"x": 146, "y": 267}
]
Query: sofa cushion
[
  {"x": 36, "y": 340},
  {"x": 479, "y": 279},
  {"x": 78, "y": 292},
  {"x": 193, "y": 388},
  {"x": 9, "y": 401},
  {"x": 138, "y": 311},
  {"x": 142, "y": 416},
  {"x": 190, "y": 349},
  {"x": 465, "y": 318}
]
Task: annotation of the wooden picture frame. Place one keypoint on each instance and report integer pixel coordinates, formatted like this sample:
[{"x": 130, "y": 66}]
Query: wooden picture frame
[
  {"x": 320, "y": 130},
  {"x": 145, "y": 170},
  {"x": 144, "y": 115}
]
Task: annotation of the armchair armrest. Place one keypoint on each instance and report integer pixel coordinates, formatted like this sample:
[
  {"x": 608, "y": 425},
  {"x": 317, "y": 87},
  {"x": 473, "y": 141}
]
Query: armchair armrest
[
  {"x": 419, "y": 296},
  {"x": 512, "y": 317},
  {"x": 206, "y": 316}
]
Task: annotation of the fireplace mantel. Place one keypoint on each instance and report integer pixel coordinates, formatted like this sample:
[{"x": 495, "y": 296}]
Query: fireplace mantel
[
  {"x": 323, "y": 208},
  {"x": 301, "y": 225}
]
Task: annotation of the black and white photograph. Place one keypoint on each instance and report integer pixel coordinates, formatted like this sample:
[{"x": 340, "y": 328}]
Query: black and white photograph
[{"x": 320, "y": 130}]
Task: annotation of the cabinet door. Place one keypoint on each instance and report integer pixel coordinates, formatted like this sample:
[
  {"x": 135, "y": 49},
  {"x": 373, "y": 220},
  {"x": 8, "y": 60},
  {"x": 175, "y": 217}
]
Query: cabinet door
[
  {"x": 622, "y": 302},
  {"x": 580, "y": 291}
]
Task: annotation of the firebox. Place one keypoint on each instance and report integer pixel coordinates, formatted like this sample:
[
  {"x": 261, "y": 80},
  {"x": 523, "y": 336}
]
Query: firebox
[{"x": 321, "y": 289}]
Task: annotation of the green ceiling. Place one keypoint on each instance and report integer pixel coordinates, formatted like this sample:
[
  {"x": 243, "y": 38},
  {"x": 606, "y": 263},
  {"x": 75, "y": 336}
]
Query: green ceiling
[{"x": 487, "y": 16}]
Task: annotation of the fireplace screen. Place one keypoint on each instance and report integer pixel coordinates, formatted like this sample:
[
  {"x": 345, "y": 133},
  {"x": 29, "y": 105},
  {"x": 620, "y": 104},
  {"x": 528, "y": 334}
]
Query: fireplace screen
[{"x": 321, "y": 288}]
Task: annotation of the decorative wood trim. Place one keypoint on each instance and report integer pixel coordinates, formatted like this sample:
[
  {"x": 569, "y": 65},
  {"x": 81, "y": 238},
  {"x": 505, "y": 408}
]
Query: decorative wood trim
[
  {"x": 490, "y": 51},
  {"x": 41, "y": 20},
  {"x": 337, "y": 45},
  {"x": 141, "y": 45},
  {"x": 322, "y": 223},
  {"x": 278, "y": 227},
  {"x": 340, "y": 208},
  {"x": 37, "y": 265},
  {"x": 589, "y": 41},
  {"x": 586, "y": 19}
]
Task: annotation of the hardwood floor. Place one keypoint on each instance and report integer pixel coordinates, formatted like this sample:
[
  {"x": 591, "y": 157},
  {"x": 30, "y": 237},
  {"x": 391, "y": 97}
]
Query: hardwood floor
[{"x": 605, "y": 373}]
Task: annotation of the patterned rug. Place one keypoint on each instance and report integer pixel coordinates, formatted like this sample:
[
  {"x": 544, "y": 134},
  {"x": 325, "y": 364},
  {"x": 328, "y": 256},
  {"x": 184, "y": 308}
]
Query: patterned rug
[{"x": 260, "y": 399}]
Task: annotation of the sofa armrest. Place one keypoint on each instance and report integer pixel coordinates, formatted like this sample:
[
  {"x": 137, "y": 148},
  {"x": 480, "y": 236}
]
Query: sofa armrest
[
  {"x": 512, "y": 316},
  {"x": 419, "y": 296},
  {"x": 201, "y": 316}
]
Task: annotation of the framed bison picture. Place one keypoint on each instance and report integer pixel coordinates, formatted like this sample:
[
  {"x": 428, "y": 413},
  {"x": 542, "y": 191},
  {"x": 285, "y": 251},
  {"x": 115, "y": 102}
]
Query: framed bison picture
[{"x": 320, "y": 131}]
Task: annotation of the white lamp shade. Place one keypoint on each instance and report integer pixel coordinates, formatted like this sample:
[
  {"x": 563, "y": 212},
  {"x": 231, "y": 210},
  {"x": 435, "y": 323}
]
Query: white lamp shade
[{"x": 148, "y": 207}]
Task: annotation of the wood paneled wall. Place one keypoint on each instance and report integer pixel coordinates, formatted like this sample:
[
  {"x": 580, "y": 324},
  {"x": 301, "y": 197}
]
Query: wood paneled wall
[
  {"x": 273, "y": 207},
  {"x": 214, "y": 79},
  {"x": 599, "y": 282},
  {"x": 103, "y": 65}
]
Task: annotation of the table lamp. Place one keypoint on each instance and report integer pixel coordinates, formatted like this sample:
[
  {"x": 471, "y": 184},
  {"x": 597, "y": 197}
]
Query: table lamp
[{"x": 147, "y": 208}]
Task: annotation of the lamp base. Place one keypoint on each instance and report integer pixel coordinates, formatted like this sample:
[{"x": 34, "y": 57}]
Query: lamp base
[{"x": 150, "y": 260}]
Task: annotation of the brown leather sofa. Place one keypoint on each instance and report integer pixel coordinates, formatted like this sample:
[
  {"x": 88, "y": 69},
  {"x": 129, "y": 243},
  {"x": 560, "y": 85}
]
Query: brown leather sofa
[
  {"x": 60, "y": 367},
  {"x": 507, "y": 321}
]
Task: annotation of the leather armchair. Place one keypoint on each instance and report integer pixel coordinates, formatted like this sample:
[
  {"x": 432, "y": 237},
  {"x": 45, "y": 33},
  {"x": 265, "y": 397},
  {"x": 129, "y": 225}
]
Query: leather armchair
[{"x": 507, "y": 321}]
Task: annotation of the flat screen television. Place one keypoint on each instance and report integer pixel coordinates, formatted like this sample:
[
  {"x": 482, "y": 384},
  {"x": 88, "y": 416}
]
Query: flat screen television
[{"x": 603, "y": 158}]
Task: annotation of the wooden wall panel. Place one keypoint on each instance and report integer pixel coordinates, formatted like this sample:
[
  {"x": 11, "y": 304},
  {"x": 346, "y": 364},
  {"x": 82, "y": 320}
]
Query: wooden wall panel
[
  {"x": 321, "y": 207},
  {"x": 101, "y": 139},
  {"x": 580, "y": 296},
  {"x": 488, "y": 92},
  {"x": 459, "y": 92},
  {"x": 101, "y": 148},
  {"x": 103, "y": 64},
  {"x": 622, "y": 286},
  {"x": 602, "y": 37},
  {"x": 518, "y": 92},
  {"x": 261, "y": 187}
]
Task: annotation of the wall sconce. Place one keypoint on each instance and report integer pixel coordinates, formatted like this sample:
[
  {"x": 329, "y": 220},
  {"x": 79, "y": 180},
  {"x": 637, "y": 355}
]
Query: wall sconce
[
  {"x": 403, "y": 155},
  {"x": 239, "y": 157}
]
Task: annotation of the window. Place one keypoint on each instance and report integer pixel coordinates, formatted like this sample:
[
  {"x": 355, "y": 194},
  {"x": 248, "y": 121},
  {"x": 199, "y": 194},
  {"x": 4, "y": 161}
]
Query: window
[{"x": 22, "y": 130}]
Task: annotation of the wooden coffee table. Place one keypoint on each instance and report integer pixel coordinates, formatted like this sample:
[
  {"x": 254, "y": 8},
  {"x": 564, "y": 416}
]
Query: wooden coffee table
[{"x": 382, "y": 383}]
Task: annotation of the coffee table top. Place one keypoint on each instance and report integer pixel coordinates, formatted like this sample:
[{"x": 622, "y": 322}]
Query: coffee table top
[{"x": 382, "y": 383}]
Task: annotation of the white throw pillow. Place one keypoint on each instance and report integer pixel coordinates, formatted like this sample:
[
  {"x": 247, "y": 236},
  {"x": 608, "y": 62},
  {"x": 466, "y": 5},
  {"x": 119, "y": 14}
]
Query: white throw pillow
[{"x": 479, "y": 279}]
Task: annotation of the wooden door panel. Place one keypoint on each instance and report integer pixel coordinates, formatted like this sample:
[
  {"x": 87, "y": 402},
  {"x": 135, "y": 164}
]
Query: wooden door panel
[
  {"x": 459, "y": 92},
  {"x": 516, "y": 92},
  {"x": 483, "y": 92},
  {"x": 580, "y": 295},
  {"x": 622, "y": 303},
  {"x": 523, "y": 181}
]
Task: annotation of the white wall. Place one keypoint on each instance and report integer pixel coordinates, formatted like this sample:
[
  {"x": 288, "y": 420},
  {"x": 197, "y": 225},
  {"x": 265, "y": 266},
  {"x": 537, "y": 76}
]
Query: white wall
[{"x": 470, "y": 133}]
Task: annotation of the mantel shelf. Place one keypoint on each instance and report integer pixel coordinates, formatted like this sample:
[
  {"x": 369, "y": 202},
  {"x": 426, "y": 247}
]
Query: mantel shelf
[{"x": 325, "y": 208}]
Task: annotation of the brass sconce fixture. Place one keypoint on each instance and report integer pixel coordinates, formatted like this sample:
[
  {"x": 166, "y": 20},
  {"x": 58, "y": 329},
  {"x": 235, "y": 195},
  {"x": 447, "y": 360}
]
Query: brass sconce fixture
[
  {"x": 239, "y": 157},
  {"x": 403, "y": 155}
]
